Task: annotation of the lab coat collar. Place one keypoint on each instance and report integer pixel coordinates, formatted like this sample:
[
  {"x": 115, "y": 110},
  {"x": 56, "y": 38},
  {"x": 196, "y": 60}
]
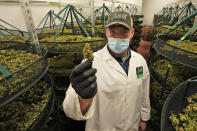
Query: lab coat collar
[
  {"x": 113, "y": 62},
  {"x": 106, "y": 54}
]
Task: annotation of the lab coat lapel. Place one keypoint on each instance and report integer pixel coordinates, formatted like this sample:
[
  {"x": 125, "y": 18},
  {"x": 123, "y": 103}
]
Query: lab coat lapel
[
  {"x": 132, "y": 65},
  {"x": 112, "y": 61}
]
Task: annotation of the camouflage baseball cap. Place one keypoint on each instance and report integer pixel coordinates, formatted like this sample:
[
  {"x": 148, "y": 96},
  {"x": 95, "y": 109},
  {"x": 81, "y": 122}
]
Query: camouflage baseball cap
[{"x": 120, "y": 17}]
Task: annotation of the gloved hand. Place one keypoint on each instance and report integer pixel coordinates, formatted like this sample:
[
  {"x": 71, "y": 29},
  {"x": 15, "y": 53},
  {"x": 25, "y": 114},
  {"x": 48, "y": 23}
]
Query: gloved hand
[{"x": 83, "y": 80}]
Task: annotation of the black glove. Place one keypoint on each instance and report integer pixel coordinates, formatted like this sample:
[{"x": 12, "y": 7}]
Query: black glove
[{"x": 83, "y": 80}]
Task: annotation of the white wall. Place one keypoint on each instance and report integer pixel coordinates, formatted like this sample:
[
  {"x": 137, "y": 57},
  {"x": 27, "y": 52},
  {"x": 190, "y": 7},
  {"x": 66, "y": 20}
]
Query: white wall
[
  {"x": 136, "y": 2},
  {"x": 151, "y": 7},
  {"x": 12, "y": 13}
]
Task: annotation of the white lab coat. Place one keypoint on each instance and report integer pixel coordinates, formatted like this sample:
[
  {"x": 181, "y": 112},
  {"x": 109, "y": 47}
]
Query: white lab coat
[{"x": 121, "y": 100}]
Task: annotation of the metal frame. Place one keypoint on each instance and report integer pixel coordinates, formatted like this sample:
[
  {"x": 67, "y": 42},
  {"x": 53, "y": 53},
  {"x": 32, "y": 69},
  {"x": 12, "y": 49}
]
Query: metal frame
[
  {"x": 30, "y": 25},
  {"x": 173, "y": 14},
  {"x": 103, "y": 10},
  {"x": 191, "y": 31},
  {"x": 51, "y": 17},
  {"x": 3, "y": 28},
  {"x": 71, "y": 11}
]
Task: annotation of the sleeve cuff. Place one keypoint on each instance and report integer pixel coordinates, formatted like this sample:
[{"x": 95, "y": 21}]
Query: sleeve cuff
[
  {"x": 72, "y": 109},
  {"x": 145, "y": 116},
  {"x": 88, "y": 114}
]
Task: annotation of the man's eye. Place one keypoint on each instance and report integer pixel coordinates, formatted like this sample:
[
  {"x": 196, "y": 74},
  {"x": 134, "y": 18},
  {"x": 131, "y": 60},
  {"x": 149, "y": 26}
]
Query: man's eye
[
  {"x": 124, "y": 32},
  {"x": 113, "y": 32}
]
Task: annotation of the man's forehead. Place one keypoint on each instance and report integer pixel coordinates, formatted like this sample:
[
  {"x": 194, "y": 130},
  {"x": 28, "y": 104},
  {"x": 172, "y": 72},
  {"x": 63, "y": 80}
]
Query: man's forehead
[{"x": 118, "y": 26}]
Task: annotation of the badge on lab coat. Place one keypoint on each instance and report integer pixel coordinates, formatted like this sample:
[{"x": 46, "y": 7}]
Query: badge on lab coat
[{"x": 139, "y": 72}]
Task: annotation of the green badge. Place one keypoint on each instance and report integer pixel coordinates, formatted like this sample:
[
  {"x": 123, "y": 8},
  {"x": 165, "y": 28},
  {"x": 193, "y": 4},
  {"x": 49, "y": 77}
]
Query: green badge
[{"x": 139, "y": 72}]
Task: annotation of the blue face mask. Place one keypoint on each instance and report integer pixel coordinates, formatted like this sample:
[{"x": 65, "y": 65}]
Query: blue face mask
[{"x": 118, "y": 45}]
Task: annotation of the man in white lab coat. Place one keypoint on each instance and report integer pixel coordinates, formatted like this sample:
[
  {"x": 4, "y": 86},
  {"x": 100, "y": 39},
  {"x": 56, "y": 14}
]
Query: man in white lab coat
[{"x": 112, "y": 92}]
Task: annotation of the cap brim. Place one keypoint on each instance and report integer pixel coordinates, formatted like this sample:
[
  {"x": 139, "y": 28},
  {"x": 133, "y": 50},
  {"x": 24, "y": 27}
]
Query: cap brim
[{"x": 118, "y": 23}]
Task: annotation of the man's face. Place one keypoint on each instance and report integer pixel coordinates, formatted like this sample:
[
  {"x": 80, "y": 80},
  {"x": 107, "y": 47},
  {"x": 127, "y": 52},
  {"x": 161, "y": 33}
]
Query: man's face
[{"x": 119, "y": 31}]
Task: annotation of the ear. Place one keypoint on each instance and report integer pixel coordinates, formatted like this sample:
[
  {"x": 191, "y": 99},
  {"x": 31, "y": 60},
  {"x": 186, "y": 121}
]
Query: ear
[
  {"x": 131, "y": 33},
  {"x": 107, "y": 32}
]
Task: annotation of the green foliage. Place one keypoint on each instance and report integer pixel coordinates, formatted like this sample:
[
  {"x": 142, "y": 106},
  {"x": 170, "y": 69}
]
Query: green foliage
[
  {"x": 177, "y": 74},
  {"x": 63, "y": 63},
  {"x": 155, "y": 93},
  {"x": 25, "y": 109},
  {"x": 55, "y": 30},
  {"x": 179, "y": 30},
  {"x": 69, "y": 38},
  {"x": 15, "y": 60},
  {"x": 66, "y": 62},
  {"x": 14, "y": 38},
  {"x": 185, "y": 45},
  {"x": 161, "y": 66},
  {"x": 187, "y": 120},
  {"x": 77, "y": 46},
  {"x": 87, "y": 52}
]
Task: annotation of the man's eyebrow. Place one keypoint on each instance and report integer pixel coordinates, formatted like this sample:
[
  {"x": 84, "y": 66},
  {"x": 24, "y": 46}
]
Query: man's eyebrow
[
  {"x": 112, "y": 30},
  {"x": 123, "y": 29}
]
